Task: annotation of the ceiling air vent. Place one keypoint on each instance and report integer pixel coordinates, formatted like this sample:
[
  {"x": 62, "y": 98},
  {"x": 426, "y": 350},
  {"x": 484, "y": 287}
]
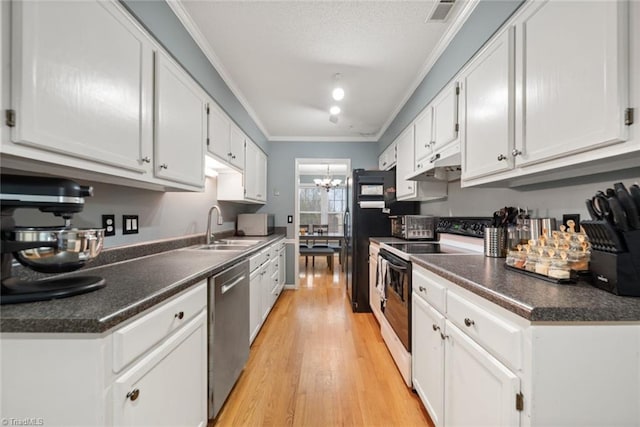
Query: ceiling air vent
[{"x": 440, "y": 11}]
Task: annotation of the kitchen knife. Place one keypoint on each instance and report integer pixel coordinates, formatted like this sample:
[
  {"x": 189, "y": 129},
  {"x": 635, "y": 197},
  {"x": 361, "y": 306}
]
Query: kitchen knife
[
  {"x": 594, "y": 215},
  {"x": 629, "y": 207},
  {"x": 635, "y": 195},
  {"x": 618, "y": 214}
]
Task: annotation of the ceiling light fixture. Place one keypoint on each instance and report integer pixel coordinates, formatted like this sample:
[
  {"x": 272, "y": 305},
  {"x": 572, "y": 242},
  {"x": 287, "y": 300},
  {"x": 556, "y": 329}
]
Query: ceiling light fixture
[
  {"x": 338, "y": 91},
  {"x": 327, "y": 182},
  {"x": 334, "y": 110}
]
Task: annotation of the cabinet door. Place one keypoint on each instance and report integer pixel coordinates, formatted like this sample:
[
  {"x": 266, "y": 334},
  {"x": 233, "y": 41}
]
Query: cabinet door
[
  {"x": 387, "y": 159},
  {"x": 423, "y": 139},
  {"x": 428, "y": 357},
  {"x": 168, "y": 387},
  {"x": 82, "y": 82},
  {"x": 445, "y": 116},
  {"x": 282, "y": 267},
  {"x": 374, "y": 296},
  {"x": 219, "y": 133},
  {"x": 261, "y": 177},
  {"x": 180, "y": 124},
  {"x": 479, "y": 390},
  {"x": 255, "y": 303},
  {"x": 404, "y": 188},
  {"x": 236, "y": 148},
  {"x": 488, "y": 105},
  {"x": 265, "y": 292},
  {"x": 251, "y": 172},
  {"x": 572, "y": 73}
]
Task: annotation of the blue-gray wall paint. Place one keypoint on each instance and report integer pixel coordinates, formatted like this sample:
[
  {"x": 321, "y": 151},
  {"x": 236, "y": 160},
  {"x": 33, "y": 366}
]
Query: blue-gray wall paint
[
  {"x": 158, "y": 18},
  {"x": 487, "y": 17},
  {"x": 281, "y": 173}
]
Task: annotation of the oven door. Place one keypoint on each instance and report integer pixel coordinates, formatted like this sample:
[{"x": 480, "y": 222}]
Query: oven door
[{"x": 397, "y": 309}]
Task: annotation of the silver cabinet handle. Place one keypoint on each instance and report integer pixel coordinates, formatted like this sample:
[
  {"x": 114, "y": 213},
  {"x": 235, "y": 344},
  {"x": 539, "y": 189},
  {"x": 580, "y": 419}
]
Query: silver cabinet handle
[
  {"x": 434, "y": 158},
  {"x": 226, "y": 288},
  {"x": 133, "y": 394},
  {"x": 468, "y": 322},
  {"x": 229, "y": 154},
  {"x": 502, "y": 157},
  {"x": 422, "y": 289},
  {"x": 435, "y": 327},
  {"x": 146, "y": 159},
  {"x": 164, "y": 166},
  {"x": 179, "y": 315},
  {"x": 516, "y": 152},
  {"x": 443, "y": 336}
]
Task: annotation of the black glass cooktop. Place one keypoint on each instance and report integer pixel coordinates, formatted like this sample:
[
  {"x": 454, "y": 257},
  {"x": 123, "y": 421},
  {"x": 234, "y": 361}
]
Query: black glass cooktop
[{"x": 426, "y": 248}]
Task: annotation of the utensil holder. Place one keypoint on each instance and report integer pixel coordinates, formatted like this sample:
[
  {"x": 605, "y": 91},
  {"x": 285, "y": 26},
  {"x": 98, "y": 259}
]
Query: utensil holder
[
  {"x": 618, "y": 273},
  {"x": 495, "y": 242}
]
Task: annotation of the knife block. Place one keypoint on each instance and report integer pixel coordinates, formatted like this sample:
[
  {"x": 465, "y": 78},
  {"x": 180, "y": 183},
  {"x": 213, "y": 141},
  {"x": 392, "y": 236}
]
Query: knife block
[{"x": 618, "y": 273}]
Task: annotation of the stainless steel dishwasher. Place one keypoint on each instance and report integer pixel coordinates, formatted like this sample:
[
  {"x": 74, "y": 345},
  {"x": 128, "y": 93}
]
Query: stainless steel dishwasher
[{"x": 228, "y": 332}]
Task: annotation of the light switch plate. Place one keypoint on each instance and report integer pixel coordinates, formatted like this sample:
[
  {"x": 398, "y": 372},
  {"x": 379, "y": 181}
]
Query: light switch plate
[{"x": 130, "y": 224}]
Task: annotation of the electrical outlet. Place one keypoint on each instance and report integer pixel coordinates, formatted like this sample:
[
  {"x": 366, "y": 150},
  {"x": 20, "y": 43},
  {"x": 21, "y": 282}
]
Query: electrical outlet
[
  {"x": 130, "y": 224},
  {"x": 290, "y": 219},
  {"x": 109, "y": 225}
]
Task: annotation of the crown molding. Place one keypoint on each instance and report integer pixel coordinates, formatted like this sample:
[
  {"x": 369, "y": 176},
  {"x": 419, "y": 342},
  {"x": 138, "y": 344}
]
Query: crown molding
[
  {"x": 185, "y": 18},
  {"x": 322, "y": 139},
  {"x": 442, "y": 45}
]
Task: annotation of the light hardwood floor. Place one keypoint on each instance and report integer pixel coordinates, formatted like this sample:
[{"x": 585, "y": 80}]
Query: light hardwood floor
[{"x": 315, "y": 363}]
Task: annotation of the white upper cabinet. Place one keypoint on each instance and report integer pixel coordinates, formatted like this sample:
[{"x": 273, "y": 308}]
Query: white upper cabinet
[
  {"x": 405, "y": 189},
  {"x": 78, "y": 91},
  {"x": 219, "y": 133},
  {"x": 180, "y": 124},
  {"x": 487, "y": 103},
  {"x": 236, "y": 147},
  {"x": 255, "y": 173},
  {"x": 445, "y": 117},
  {"x": 424, "y": 142},
  {"x": 436, "y": 128},
  {"x": 572, "y": 78},
  {"x": 388, "y": 158}
]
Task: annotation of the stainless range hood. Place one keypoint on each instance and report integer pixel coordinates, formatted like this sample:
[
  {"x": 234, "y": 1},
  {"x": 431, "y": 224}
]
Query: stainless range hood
[{"x": 444, "y": 166}]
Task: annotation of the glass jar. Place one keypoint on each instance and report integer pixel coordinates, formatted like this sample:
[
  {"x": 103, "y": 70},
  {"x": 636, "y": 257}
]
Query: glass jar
[
  {"x": 559, "y": 269},
  {"x": 516, "y": 259},
  {"x": 542, "y": 265}
]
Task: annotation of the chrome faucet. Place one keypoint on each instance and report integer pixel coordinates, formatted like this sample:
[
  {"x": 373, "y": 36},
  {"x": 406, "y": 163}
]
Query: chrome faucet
[{"x": 210, "y": 236}]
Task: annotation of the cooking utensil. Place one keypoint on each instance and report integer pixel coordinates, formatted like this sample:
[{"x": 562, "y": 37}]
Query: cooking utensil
[
  {"x": 591, "y": 210},
  {"x": 618, "y": 214},
  {"x": 634, "y": 190},
  {"x": 623, "y": 196},
  {"x": 54, "y": 249}
]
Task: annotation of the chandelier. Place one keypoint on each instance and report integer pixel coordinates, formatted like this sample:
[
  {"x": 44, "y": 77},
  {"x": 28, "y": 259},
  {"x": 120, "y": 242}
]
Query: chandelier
[{"x": 327, "y": 182}]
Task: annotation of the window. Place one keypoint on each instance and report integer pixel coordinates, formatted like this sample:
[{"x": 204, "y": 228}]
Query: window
[{"x": 319, "y": 206}]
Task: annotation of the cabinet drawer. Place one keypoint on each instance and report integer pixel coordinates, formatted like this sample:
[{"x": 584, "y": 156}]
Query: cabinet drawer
[
  {"x": 426, "y": 285},
  {"x": 499, "y": 336},
  {"x": 132, "y": 340},
  {"x": 257, "y": 260}
]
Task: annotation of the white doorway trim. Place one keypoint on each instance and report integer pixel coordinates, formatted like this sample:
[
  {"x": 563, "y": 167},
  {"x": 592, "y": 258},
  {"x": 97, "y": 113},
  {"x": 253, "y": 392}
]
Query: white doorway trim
[{"x": 296, "y": 217}]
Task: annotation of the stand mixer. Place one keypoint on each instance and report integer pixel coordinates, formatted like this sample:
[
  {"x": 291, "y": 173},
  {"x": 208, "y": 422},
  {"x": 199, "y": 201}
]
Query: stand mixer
[{"x": 46, "y": 249}]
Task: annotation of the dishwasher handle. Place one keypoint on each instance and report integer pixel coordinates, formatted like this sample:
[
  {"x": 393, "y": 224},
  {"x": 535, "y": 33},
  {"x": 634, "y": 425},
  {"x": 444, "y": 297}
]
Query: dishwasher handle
[{"x": 225, "y": 288}]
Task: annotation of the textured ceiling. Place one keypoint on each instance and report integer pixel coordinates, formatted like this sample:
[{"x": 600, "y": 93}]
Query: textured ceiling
[{"x": 279, "y": 58}]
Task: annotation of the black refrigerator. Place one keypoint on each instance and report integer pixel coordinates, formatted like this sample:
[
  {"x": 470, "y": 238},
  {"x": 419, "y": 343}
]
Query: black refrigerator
[{"x": 370, "y": 201}]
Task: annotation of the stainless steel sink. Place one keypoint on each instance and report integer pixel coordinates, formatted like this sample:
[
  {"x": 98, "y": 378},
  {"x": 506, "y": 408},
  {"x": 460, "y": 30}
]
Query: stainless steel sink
[
  {"x": 240, "y": 242},
  {"x": 219, "y": 247}
]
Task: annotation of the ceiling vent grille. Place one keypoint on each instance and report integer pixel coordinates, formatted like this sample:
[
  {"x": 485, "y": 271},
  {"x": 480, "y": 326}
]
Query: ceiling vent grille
[{"x": 440, "y": 11}]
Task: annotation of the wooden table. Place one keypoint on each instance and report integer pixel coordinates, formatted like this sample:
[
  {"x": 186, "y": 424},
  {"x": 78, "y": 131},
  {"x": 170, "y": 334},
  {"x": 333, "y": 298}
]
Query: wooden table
[{"x": 321, "y": 251}]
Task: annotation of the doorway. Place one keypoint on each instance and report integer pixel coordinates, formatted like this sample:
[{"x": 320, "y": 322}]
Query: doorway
[{"x": 320, "y": 195}]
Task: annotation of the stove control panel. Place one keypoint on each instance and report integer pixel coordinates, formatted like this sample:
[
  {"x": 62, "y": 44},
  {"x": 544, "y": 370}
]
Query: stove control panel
[{"x": 464, "y": 226}]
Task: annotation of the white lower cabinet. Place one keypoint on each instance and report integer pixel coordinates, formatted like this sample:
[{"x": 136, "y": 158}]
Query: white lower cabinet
[
  {"x": 477, "y": 364},
  {"x": 111, "y": 379},
  {"x": 428, "y": 357},
  {"x": 265, "y": 282},
  {"x": 478, "y": 390},
  {"x": 374, "y": 296},
  {"x": 166, "y": 387}
]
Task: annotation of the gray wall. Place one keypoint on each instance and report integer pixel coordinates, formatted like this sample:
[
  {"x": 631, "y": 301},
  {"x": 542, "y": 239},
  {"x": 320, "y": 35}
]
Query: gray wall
[
  {"x": 161, "y": 215},
  {"x": 158, "y": 18},
  {"x": 544, "y": 200},
  {"x": 487, "y": 17}
]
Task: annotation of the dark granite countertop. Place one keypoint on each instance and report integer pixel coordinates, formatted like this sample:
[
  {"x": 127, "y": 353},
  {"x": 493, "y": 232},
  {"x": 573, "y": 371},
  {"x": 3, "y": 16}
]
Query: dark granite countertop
[
  {"x": 529, "y": 297},
  {"x": 132, "y": 287},
  {"x": 534, "y": 299}
]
